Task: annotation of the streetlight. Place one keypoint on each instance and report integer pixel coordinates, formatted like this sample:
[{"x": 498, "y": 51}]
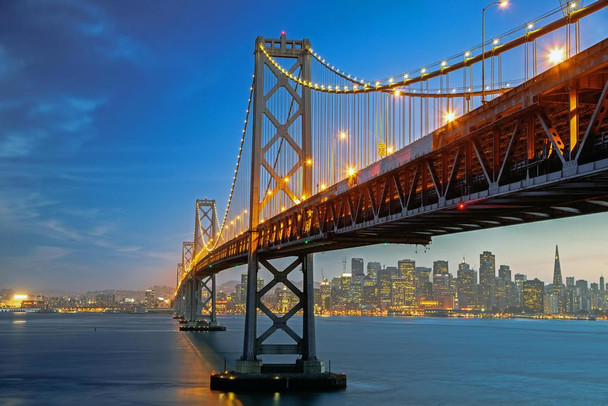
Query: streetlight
[{"x": 500, "y": 4}]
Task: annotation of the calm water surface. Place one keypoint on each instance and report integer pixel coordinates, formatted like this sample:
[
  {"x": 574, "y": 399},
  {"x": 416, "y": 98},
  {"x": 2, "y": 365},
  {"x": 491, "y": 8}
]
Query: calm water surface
[{"x": 143, "y": 359}]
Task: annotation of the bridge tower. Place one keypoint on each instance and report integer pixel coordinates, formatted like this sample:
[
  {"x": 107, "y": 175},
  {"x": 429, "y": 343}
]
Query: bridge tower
[
  {"x": 272, "y": 129},
  {"x": 196, "y": 301}
]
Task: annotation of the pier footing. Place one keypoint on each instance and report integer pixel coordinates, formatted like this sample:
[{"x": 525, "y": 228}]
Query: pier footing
[
  {"x": 277, "y": 382},
  {"x": 201, "y": 327}
]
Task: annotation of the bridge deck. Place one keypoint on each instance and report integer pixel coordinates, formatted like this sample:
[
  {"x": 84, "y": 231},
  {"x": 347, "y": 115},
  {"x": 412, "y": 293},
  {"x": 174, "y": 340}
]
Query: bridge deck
[{"x": 514, "y": 160}]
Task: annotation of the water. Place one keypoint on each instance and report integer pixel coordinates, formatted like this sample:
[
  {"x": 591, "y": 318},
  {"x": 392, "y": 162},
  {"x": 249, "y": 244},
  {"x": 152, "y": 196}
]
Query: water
[{"x": 143, "y": 359}]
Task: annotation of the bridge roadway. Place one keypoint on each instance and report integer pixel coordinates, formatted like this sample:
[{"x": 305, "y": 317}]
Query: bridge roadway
[{"x": 526, "y": 156}]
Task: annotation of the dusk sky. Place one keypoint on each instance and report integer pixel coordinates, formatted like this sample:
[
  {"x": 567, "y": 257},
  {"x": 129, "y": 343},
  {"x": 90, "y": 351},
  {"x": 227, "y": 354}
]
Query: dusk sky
[{"x": 115, "y": 116}]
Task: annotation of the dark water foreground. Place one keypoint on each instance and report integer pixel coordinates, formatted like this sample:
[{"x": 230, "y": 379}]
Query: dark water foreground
[{"x": 143, "y": 359}]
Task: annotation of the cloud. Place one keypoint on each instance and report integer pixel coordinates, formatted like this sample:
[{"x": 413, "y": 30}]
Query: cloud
[{"x": 67, "y": 120}]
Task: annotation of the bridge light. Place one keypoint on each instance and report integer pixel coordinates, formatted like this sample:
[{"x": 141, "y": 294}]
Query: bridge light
[
  {"x": 405, "y": 76},
  {"x": 397, "y": 93},
  {"x": 286, "y": 179},
  {"x": 390, "y": 150},
  {"x": 461, "y": 206},
  {"x": 309, "y": 161},
  {"x": 556, "y": 55},
  {"x": 444, "y": 63},
  {"x": 270, "y": 193},
  {"x": 467, "y": 54},
  {"x": 503, "y": 3},
  {"x": 423, "y": 70},
  {"x": 573, "y": 5},
  {"x": 530, "y": 26},
  {"x": 450, "y": 116},
  {"x": 323, "y": 186},
  {"x": 351, "y": 171},
  {"x": 343, "y": 135},
  {"x": 496, "y": 41}
]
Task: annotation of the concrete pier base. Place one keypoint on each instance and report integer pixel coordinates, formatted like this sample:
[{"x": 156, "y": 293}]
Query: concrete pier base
[
  {"x": 277, "y": 382},
  {"x": 201, "y": 326}
]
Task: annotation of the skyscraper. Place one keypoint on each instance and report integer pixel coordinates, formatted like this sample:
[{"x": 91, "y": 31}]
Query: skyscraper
[
  {"x": 356, "y": 266},
  {"x": 558, "y": 287},
  {"x": 504, "y": 273},
  {"x": 602, "y": 285},
  {"x": 384, "y": 284},
  {"x": 372, "y": 269},
  {"x": 467, "y": 281},
  {"x": 487, "y": 275},
  {"x": 520, "y": 278},
  {"x": 533, "y": 296},
  {"x": 406, "y": 271}
]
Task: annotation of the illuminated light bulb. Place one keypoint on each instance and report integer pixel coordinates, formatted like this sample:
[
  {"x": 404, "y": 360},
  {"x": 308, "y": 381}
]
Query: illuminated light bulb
[
  {"x": 573, "y": 5},
  {"x": 297, "y": 201},
  {"x": 348, "y": 76},
  {"x": 556, "y": 55},
  {"x": 450, "y": 116},
  {"x": 405, "y": 76},
  {"x": 423, "y": 70},
  {"x": 495, "y": 42},
  {"x": 443, "y": 63},
  {"x": 269, "y": 192},
  {"x": 342, "y": 135},
  {"x": 507, "y": 85},
  {"x": 530, "y": 26},
  {"x": 390, "y": 150},
  {"x": 323, "y": 186},
  {"x": 397, "y": 93},
  {"x": 377, "y": 84},
  {"x": 460, "y": 206},
  {"x": 283, "y": 208},
  {"x": 245, "y": 211},
  {"x": 286, "y": 179},
  {"x": 503, "y": 3},
  {"x": 351, "y": 171},
  {"x": 453, "y": 90},
  {"x": 467, "y": 54},
  {"x": 303, "y": 197},
  {"x": 390, "y": 80}
]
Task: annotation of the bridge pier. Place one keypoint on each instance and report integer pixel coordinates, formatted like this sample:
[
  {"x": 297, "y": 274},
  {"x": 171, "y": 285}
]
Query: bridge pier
[
  {"x": 200, "y": 305},
  {"x": 307, "y": 372}
]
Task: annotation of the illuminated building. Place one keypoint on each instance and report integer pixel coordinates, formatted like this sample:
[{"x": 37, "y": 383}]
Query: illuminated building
[
  {"x": 533, "y": 296},
  {"x": 384, "y": 285},
  {"x": 467, "y": 287},
  {"x": 372, "y": 269},
  {"x": 504, "y": 273},
  {"x": 399, "y": 289},
  {"x": 487, "y": 277},
  {"x": 520, "y": 278},
  {"x": 424, "y": 286},
  {"x": 369, "y": 292},
  {"x": 356, "y": 266},
  {"x": 406, "y": 271},
  {"x": 325, "y": 289},
  {"x": 558, "y": 287}
]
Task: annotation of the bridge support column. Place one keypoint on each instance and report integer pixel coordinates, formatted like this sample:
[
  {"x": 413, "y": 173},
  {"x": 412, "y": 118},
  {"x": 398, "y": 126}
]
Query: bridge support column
[
  {"x": 202, "y": 308},
  {"x": 307, "y": 372}
]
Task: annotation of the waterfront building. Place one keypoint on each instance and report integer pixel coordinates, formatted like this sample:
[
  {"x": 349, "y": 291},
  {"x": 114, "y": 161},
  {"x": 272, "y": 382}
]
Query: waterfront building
[
  {"x": 407, "y": 272},
  {"x": 487, "y": 276},
  {"x": 325, "y": 288},
  {"x": 533, "y": 296},
  {"x": 520, "y": 278},
  {"x": 399, "y": 291},
  {"x": 369, "y": 292}
]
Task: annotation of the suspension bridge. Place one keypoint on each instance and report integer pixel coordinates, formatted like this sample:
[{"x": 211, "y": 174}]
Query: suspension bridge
[{"x": 330, "y": 160}]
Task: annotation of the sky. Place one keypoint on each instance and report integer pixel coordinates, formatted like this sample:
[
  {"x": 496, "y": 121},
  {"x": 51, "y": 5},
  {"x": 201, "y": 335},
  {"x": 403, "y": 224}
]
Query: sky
[{"x": 116, "y": 116}]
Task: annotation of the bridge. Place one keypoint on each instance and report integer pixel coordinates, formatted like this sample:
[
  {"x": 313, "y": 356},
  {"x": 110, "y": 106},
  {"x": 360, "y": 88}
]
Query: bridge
[{"x": 328, "y": 160}]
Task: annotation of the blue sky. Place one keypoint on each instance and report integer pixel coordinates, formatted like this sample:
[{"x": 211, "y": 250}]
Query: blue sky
[{"x": 116, "y": 116}]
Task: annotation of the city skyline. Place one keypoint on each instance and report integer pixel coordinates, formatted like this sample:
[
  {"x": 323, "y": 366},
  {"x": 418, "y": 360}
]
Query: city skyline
[{"x": 97, "y": 186}]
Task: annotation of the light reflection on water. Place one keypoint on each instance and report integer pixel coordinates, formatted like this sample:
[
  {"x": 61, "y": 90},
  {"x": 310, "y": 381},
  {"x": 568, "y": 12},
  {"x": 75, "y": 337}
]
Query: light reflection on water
[{"x": 144, "y": 359}]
